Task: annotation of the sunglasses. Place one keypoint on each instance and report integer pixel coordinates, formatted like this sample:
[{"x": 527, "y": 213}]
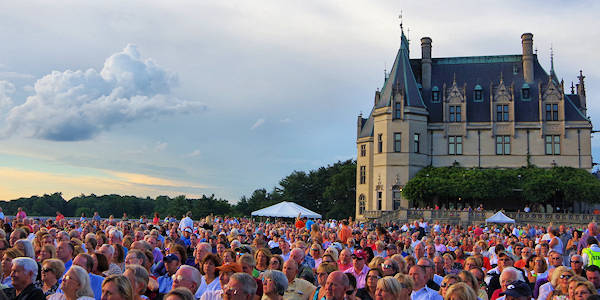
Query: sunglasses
[
  {"x": 385, "y": 266},
  {"x": 46, "y": 270},
  {"x": 565, "y": 276},
  {"x": 576, "y": 262}
]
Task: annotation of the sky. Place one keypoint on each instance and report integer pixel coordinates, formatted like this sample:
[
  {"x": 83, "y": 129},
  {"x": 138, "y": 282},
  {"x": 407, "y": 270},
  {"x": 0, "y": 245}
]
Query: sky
[{"x": 153, "y": 98}]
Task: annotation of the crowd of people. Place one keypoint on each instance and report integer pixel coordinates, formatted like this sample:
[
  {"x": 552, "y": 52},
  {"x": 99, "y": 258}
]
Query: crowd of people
[{"x": 238, "y": 258}]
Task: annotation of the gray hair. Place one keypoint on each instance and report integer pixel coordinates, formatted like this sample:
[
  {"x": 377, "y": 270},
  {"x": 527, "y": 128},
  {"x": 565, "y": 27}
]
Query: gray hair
[
  {"x": 110, "y": 248},
  {"x": 281, "y": 282},
  {"x": 235, "y": 244},
  {"x": 205, "y": 245},
  {"x": 196, "y": 277},
  {"x": 27, "y": 247},
  {"x": 248, "y": 283},
  {"x": 516, "y": 273},
  {"x": 116, "y": 233},
  {"x": 141, "y": 275},
  {"x": 28, "y": 265},
  {"x": 84, "y": 281}
]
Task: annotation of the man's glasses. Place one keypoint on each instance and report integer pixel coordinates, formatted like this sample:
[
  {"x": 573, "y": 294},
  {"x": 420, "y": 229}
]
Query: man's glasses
[
  {"x": 386, "y": 266},
  {"x": 576, "y": 262},
  {"x": 46, "y": 270},
  {"x": 230, "y": 291}
]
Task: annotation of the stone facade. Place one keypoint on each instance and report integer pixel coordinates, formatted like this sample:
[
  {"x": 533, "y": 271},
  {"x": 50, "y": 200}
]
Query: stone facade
[{"x": 486, "y": 111}]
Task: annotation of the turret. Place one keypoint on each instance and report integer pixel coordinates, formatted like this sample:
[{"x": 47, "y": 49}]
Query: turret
[
  {"x": 426, "y": 63},
  {"x": 581, "y": 91},
  {"x": 527, "y": 43}
]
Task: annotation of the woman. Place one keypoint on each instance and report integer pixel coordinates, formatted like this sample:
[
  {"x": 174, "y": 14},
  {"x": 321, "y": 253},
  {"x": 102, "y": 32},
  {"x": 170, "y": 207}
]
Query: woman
[
  {"x": 390, "y": 267},
  {"x": 460, "y": 291},
  {"x": 380, "y": 249},
  {"x": 9, "y": 255},
  {"x": 328, "y": 258},
  {"x": 52, "y": 271},
  {"x": 376, "y": 262},
  {"x": 46, "y": 252},
  {"x": 228, "y": 256},
  {"x": 100, "y": 263},
  {"x": 555, "y": 242},
  {"x": 274, "y": 285},
  {"x": 584, "y": 290},
  {"x": 117, "y": 287},
  {"x": 90, "y": 244},
  {"x": 368, "y": 292},
  {"x": 573, "y": 282},
  {"x": 180, "y": 293},
  {"x": 156, "y": 219},
  {"x": 447, "y": 282},
  {"x": 401, "y": 263},
  {"x": 573, "y": 242},
  {"x": 26, "y": 247},
  {"x": 468, "y": 278},
  {"x": 560, "y": 282},
  {"x": 138, "y": 277},
  {"x": 405, "y": 280},
  {"x": 75, "y": 286},
  {"x": 316, "y": 251},
  {"x": 450, "y": 267},
  {"x": 323, "y": 272},
  {"x": 262, "y": 257},
  {"x": 389, "y": 288},
  {"x": 210, "y": 274},
  {"x": 276, "y": 263},
  {"x": 459, "y": 257},
  {"x": 410, "y": 261}
]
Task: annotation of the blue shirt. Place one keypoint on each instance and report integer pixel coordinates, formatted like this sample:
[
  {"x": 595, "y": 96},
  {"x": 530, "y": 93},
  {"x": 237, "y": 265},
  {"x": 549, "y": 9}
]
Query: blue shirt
[
  {"x": 425, "y": 294},
  {"x": 96, "y": 284},
  {"x": 68, "y": 266},
  {"x": 165, "y": 283}
]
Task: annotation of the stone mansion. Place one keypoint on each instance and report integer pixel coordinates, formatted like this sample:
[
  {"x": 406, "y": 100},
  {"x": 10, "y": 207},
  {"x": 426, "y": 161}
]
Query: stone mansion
[{"x": 498, "y": 111}]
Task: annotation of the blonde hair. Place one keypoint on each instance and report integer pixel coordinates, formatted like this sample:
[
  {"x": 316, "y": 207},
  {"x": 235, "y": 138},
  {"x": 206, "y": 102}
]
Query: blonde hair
[
  {"x": 464, "y": 291},
  {"x": 123, "y": 285},
  {"x": 376, "y": 262},
  {"x": 390, "y": 285},
  {"x": 406, "y": 280}
]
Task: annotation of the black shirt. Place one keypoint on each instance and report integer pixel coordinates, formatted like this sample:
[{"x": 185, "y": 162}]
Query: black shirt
[{"x": 29, "y": 293}]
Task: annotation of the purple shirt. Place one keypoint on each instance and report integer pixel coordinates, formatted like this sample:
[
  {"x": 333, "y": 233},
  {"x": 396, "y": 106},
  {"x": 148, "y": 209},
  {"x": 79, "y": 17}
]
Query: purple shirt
[{"x": 360, "y": 277}]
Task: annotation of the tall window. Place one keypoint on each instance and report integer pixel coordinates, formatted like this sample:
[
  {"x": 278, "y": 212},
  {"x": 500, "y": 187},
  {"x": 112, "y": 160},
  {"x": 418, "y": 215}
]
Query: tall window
[
  {"x": 380, "y": 143},
  {"x": 455, "y": 145},
  {"x": 553, "y": 144},
  {"x": 396, "y": 196},
  {"x": 379, "y": 200},
  {"x": 362, "y": 204},
  {"x": 398, "y": 109},
  {"x": 435, "y": 94},
  {"x": 363, "y": 174},
  {"x": 552, "y": 112},
  {"x": 503, "y": 144},
  {"x": 478, "y": 93},
  {"x": 397, "y": 142},
  {"x": 525, "y": 92},
  {"x": 455, "y": 113},
  {"x": 363, "y": 150},
  {"x": 502, "y": 113},
  {"x": 416, "y": 145}
]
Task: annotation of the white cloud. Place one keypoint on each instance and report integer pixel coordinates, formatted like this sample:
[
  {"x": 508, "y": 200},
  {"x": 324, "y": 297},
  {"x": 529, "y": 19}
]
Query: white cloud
[
  {"x": 6, "y": 88},
  {"x": 161, "y": 146},
  {"x": 258, "y": 123},
  {"x": 11, "y": 74},
  {"x": 194, "y": 153},
  {"x": 77, "y": 105},
  {"x": 286, "y": 120}
]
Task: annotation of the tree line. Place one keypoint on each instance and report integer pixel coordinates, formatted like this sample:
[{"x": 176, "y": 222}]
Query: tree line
[{"x": 329, "y": 191}]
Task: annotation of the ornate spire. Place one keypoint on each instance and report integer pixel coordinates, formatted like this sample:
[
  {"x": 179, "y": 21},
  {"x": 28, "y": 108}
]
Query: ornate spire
[
  {"x": 551, "y": 61},
  {"x": 572, "y": 88}
]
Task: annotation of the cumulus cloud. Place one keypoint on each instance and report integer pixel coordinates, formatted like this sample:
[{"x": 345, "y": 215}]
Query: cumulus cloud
[
  {"x": 77, "y": 105},
  {"x": 258, "y": 123},
  {"x": 6, "y": 88}
]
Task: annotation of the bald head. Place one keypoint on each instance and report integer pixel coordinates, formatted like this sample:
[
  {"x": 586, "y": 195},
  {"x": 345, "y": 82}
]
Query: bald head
[
  {"x": 297, "y": 254},
  {"x": 336, "y": 286}
]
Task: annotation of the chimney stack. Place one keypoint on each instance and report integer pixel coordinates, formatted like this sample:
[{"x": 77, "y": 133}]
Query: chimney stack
[
  {"x": 527, "y": 42},
  {"x": 426, "y": 63}
]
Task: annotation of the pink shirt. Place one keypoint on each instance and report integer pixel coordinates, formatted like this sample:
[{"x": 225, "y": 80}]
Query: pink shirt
[{"x": 360, "y": 277}]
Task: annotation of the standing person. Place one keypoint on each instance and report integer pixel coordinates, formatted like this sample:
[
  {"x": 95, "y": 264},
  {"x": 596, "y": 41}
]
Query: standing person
[
  {"x": 86, "y": 261},
  {"x": 21, "y": 215},
  {"x": 345, "y": 232},
  {"x": 592, "y": 231},
  {"x": 591, "y": 254}
]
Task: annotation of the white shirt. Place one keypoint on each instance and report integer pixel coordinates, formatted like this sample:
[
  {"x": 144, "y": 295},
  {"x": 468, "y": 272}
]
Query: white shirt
[
  {"x": 204, "y": 287},
  {"x": 545, "y": 290},
  {"x": 186, "y": 222},
  {"x": 212, "y": 295}
]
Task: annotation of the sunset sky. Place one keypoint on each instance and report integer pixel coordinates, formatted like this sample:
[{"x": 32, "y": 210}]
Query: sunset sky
[{"x": 155, "y": 98}]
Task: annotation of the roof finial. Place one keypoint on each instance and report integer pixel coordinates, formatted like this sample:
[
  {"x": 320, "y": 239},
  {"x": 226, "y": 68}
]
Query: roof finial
[
  {"x": 535, "y": 50},
  {"x": 454, "y": 78},
  {"x": 551, "y": 61},
  {"x": 572, "y": 88},
  {"x": 501, "y": 77},
  {"x": 401, "y": 26}
]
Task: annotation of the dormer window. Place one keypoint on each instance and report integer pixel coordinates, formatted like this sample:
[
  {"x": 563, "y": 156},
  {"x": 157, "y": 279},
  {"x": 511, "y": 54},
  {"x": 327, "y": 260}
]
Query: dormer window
[
  {"x": 478, "y": 93},
  {"x": 525, "y": 93},
  {"x": 435, "y": 94}
]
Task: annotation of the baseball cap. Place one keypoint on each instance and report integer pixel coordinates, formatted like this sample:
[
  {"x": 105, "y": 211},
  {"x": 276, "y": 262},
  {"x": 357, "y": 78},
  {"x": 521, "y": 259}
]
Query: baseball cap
[
  {"x": 359, "y": 254},
  {"x": 517, "y": 289},
  {"x": 243, "y": 249},
  {"x": 230, "y": 267},
  {"x": 187, "y": 229},
  {"x": 171, "y": 257}
]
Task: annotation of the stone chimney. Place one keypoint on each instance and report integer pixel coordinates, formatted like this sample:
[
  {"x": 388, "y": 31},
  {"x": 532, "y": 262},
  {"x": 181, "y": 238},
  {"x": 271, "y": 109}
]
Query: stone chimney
[
  {"x": 426, "y": 63},
  {"x": 527, "y": 42}
]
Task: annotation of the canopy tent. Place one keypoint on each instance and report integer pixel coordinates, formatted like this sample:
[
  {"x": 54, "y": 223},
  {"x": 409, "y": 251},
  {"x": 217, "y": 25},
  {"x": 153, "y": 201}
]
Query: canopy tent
[
  {"x": 286, "y": 210},
  {"x": 499, "y": 217}
]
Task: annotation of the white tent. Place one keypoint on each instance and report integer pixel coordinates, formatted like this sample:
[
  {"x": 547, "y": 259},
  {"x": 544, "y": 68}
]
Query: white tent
[
  {"x": 499, "y": 217},
  {"x": 286, "y": 210}
]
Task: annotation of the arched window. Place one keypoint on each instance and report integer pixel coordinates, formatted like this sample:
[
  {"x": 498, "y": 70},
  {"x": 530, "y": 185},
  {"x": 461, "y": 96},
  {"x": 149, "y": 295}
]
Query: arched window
[
  {"x": 525, "y": 94},
  {"x": 361, "y": 204},
  {"x": 478, "y": 93}
]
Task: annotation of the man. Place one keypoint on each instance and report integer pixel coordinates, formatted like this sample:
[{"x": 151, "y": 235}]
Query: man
[
  {"x": 248, "y": 264},
  {"x": 23, "y": 274},
  {"x": 592, "y": 231},
  {"x": 298, "y": 288},
  {"x": 430, "y": 251},
  {"x": 345, "y": 232},
  {"x": 517, "y": 290},
  {"x": 577, "y": 265},
  {"x": 509, "y": 274},
  {"x": 201, "y": 251},
  {"x": 186, "y": 222},
  {"x": 305, "y": 271},
  {"x": 240, "y": 286},
  {"x": 187, "y": 277},
  {"x": 225, "y": 273},
  {"x": 493, "y": 276},
  {"x": 525, "y": 255},
  {"x": 428, "y": 266},
  {"x": 438, "y": 263},
  {"x": 419, "y": 251},
  {"x": 391, "y": 249},
  {"x": 591, "y": 254},
  {"x": 555, "y": 259},
  {"x": 593, "y": 275},
  {"x": 285, "y": 248},
  {"x": 345, "y": 260},
  {"x": 543, "y": 286},
  {"x": 64, "y": 252},
  {"x": 87, "y": 262},
  {"x": 359, "y": 268},
  {"x": 165, "y": 282},
  {"x": 336, "y": 286},
  {"x": 109, "y": 251},
  {"x": 420, "y": 289}
]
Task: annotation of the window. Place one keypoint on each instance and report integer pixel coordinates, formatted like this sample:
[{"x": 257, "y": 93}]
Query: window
[
  {"x": 416, "y": 143},
  {"x": 363, "y": 150},
  {"x": 363, "y": 174},
  {"x": 502, "y": 113},
  {"x": 553, "y": 145},
  {"x": 361, "y": 204},
  {"x": 503, "y": 144},
  {"x": 455, "y": 113},
  {"x": 525, "y": 92},
  {"x": 478, "y": 93},
  {"x": 551, "y": 112},
  {"x": 379, "y": 195},
  {"x": 398, "y": 110},
  {"x": 380, "y": 143},
  {"x": 435, "y": 94},
  {"x": 455, "y": 145},
  {"x": 397, "y": 142}
]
